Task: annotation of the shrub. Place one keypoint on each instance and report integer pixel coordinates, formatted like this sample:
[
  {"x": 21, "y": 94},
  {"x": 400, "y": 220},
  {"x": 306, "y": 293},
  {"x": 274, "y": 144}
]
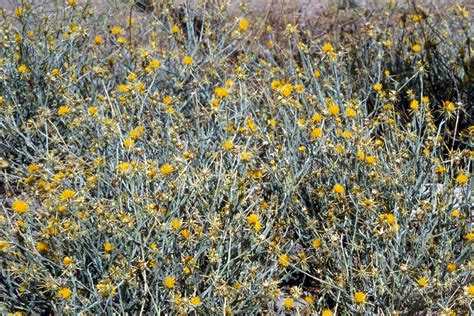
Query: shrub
[{"x": 197, "y": 163}]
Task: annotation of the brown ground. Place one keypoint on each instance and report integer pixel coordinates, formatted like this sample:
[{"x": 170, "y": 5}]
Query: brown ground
[{"x": 308, "y": 6}]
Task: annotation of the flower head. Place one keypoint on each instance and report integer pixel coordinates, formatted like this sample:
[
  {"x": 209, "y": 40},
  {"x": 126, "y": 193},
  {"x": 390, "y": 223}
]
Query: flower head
[
  {"x": 187, "y": 60},
  {"x": 338, "y": 188},
  {"x": 195, "y": 301},
  {"x": 108, "y": 247},
  {"x": 20, "y": 207},
  {"x": 284, "y": 260},
  {"x": 166, "y": 169},
  {"x": 422, "y": 282},
  {"x": 243, "y": 24},
  {"x": 221, "y": 92},
  {"x": 359, "y": 297},
  {"x": 67, "y": 195},
  {"x": 462, "y": 179},
  {"x": 288, "y": 303},
  {"x": 169, "y": 282},
  {"x": 327, "y": 48},
  {"x": 65, "y": 293}
]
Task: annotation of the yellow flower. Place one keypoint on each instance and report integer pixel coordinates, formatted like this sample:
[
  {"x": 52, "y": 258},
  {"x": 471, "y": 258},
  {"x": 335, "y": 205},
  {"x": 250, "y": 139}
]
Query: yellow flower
[
  {"x": 20, "y": 207},
  {"x": 346, "y": 134},
  {"x": 116, "y": 30},
  {"x": 169, "y": 282},
  {"x": 452, "y": 267},
  {"x": 228, "y": 145},
  {"x": 166, "y": 169},
  {"x": 252, "y": 218},
  {"x": 388, "y": 43},
  {"x": 123, "y": 88},
  {"x": 416, "y": 48},
  {"x": 288, "y": 303},
  {"x": 333, "y": 109},
  {"x": 455, "y": 213},
  {"x": 275, "y": 84},
  {"x": 449, "y": 106},
  {"x": 284, "y": 260},
  {"x": 22, "y": 69},
  {"x": 470, "y": 290},
  {"x": 41, "y": 246},
  {"x": 154, "y": 63},
  {"x": 316, "y": 132},
  {"x": 286, "y": 89},
  {"x": 175, "y": 29},
  {"x": 257, "y": 226},
  {"x": 195, "y": 300},
  {"x": 440, "y": 169},
  {"x": 370, "y": 160},
  {"x": 351, "y": 112},
  {"x": 92, "y": 111},
  {"x": 65, "y": 293},
  {"x": 359, "y": 297},
  {"x": 4, "y": 245},
  {"x": 462, "y": 179},
  {"x": 422, "y": 282},
  {"x": 377, "y": 87},
  {"x": 19, "y": 12},
  {"x": 134, "y": 133},
  {"x": 176, "y": 224},
  {"x": 243, "y": 24},
  {"x": 108, "y": 247},
  {"x": 245, "y": 156},
  {"x": 326, "y": 312},
  {"x": 221, "y": 92},
  {"x": 328, "y": 48},
  {"x": 185, "y": 233},
  {"x": 317, "y": 243},
  {"x": 68, "y": 261},
  {"x": 316, "y": 117},
  {"x": 187, "y": 60},
  {"x": 67, "y": 195},
  {"x": 128, "y": 143},
  {"x": 132, "y": 76},
  {"x": 167, "y": 99},
  {"x": 63, "y": 110},
  {"x": 123, "y": 167},
  {"x": 469, "y": 236},
  {"x": 309, "y": 299},
  {"x": 414, "y": 105},
  {"x": 98, "y": 39},
  {"x": 317, "y": 73},
  {"x": 339, "y": 189}
]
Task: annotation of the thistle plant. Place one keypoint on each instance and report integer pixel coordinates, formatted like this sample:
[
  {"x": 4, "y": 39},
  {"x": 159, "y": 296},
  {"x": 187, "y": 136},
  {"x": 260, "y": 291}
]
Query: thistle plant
[{"x": 196, "y": 161}]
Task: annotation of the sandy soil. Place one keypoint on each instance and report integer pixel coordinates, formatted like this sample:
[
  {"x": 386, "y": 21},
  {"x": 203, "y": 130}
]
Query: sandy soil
[{"x": 309, "y": 6}]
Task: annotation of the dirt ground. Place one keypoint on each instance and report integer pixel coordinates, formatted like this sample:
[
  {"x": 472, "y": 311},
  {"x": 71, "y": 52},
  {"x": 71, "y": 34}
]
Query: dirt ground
[{"x": 309, "y": 6}]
